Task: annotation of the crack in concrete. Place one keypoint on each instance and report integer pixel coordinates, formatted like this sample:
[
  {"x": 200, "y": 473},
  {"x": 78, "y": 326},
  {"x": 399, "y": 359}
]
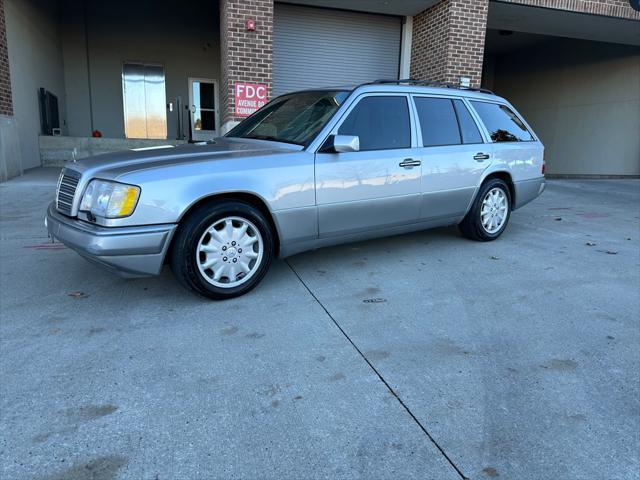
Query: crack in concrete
[{"x": 382, "y": 379}]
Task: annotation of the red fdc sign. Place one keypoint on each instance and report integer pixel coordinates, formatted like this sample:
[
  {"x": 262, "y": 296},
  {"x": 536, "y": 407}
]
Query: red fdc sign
[{"x": 249, "y": 97}]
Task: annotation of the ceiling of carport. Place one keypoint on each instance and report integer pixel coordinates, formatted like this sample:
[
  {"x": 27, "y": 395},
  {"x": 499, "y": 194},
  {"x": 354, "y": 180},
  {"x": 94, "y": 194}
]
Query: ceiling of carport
[
  {"x": 509, "y": 16},
  {"x": 389, "y": 7},
  {"x": 497, "y": 44},
  {"x": 519, "y": 18}
]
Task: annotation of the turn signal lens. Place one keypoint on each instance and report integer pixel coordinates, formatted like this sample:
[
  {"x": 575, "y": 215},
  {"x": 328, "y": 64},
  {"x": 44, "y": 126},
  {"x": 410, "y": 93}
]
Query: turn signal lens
[{"x": 123, "y": 201}]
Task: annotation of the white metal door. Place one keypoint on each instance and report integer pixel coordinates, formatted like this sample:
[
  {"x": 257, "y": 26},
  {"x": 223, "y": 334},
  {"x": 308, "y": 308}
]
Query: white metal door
[
  {"x": 144, "y": 98},
  {"x": 204, "y": 110}
]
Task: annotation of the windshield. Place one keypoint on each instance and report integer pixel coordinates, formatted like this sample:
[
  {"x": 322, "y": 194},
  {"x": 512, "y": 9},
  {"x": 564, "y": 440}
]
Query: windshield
[{"x": 296, "y": 118}]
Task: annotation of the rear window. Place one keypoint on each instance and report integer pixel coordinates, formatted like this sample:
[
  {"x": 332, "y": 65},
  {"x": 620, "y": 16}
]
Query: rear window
[{"x": 503, "y": 125}]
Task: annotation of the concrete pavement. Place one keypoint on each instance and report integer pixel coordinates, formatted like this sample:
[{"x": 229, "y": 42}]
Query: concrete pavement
[{"x": 421, "y": 356}]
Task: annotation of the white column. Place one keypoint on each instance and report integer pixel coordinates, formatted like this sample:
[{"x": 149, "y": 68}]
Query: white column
[{"x": 405, "y": 48}]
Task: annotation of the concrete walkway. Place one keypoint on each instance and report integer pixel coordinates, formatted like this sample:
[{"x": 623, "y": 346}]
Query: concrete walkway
[{"x": 421, "y": 356}]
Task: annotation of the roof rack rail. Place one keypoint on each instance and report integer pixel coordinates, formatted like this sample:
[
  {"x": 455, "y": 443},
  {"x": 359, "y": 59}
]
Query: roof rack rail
[{"x": 427, "y": 83}]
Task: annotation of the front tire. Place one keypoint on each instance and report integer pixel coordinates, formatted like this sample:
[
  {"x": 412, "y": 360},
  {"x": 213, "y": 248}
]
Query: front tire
[
  {"x": 490, "y": 212},
  {"x": 222, "y": 250}
]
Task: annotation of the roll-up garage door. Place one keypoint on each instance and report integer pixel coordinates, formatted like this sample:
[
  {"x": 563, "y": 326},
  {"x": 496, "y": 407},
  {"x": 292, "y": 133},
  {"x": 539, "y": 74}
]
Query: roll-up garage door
[{"x": 317, "y": 47}]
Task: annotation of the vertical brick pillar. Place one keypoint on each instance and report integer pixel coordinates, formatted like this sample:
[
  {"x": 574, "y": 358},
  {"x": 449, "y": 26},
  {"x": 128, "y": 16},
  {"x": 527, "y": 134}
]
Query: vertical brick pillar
[
  {"x": 6, "y": 102},
  {"x": 448, "y": 41},
  {"x": 246, "y": 56}
]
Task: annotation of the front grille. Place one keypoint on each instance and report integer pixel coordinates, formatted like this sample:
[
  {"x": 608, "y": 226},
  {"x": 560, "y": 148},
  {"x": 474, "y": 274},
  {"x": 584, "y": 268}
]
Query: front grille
[{"x": 66, "y": 190}]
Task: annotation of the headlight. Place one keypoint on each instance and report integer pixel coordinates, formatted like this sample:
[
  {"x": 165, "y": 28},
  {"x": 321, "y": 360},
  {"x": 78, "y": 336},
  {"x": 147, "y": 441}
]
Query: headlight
[{"x": 109, "y": 199}]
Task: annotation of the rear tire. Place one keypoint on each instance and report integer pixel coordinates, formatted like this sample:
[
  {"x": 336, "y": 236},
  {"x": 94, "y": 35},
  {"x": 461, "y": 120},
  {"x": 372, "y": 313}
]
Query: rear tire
[
  {"x": 222, "y": 250},
  {"x": 490, "y": 212}
]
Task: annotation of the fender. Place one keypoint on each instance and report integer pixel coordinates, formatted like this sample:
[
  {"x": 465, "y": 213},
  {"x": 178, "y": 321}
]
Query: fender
[{"x": 493, "y": 169}]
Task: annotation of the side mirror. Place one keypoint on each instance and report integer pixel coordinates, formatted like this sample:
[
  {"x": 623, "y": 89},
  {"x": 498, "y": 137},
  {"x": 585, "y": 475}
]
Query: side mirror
[{"x": 341, "y": 144}]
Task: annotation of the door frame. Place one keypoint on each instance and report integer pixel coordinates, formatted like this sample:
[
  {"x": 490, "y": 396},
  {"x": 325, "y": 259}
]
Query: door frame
[
  {"x": 340, "y": 210},
  {"x": 450, "y": 200},
  {"x": 216, "y": 99}
]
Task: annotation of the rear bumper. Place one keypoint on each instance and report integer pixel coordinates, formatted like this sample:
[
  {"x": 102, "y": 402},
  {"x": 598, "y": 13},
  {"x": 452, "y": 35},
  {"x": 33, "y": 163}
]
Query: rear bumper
[
  {"x": 129, "y": 251},
  {"x": 527, "y": 190}
]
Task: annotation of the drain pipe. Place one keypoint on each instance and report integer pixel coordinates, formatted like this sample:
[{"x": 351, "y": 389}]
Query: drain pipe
[{"x": 86, "y": 48}]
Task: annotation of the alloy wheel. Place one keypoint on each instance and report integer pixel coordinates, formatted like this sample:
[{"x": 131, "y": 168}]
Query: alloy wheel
[
  {"x": 494, "y": 210},
  {"x": 229, "y": 252}
]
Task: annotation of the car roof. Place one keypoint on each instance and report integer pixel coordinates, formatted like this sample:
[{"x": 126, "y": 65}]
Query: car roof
[
  {"x": 398, "y": 86},
  {"x": 429, "y": 90}
]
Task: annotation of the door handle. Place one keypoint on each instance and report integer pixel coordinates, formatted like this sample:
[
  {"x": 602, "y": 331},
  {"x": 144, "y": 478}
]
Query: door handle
[
  {"x": 481, "y": 156},
  {"x": 410, "y": 163}
]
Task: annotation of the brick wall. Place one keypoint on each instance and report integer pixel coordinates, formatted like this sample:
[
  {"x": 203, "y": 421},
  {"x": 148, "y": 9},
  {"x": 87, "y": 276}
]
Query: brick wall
[
  {"x": 246, "y": 56},
  {"x": 448, "y": 41},
  {"x": 6, "y": 104},
  {"x": 610, "y": 8}
]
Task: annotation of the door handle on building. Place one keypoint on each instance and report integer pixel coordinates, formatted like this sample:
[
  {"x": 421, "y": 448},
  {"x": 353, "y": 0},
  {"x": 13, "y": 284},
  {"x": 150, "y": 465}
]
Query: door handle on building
[
  {"x": 410, "y": 163},
  {"x": 481, "y": 156}
]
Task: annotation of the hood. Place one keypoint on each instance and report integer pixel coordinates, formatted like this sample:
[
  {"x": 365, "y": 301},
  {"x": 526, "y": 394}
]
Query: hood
[{"x": 112, "y": 165}]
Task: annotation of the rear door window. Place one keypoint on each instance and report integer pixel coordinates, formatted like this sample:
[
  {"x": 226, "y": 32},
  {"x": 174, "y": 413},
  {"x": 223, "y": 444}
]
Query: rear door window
[
  {"x": 445, "y": 121},
  {"x": 438, "y": 121},
  {"x": 502, "y": 123},
  {"x": 381, "y": 123}
]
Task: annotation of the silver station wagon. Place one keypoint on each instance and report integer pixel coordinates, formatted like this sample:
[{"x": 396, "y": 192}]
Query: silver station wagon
[{"x": 309, "y": 169}]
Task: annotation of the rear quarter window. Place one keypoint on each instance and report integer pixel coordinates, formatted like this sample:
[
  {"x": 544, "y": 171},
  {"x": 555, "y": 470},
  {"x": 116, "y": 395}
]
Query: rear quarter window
[
  {"x": 468, "y": 127},
  {"x": 502, "y": 123}
]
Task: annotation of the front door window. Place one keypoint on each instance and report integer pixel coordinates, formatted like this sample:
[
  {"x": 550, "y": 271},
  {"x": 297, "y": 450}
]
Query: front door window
[{"x": 381, "y": 123}]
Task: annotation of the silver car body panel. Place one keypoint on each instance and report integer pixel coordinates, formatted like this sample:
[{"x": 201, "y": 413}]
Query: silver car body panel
[
  {"x": 359, "y": 191},
  {"x": 315, "y": 199},
  {"x": 450, "y": 175},
  {"x": 132, "y": 251}
]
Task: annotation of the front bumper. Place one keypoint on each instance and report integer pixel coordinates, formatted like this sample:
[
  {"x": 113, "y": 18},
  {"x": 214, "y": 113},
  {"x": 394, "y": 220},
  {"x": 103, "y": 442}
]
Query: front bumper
[{"x": 128, "y": 251}]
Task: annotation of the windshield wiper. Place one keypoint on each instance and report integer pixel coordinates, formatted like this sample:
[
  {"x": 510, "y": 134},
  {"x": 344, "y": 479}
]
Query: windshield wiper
[{"x": 272, "y": 138}]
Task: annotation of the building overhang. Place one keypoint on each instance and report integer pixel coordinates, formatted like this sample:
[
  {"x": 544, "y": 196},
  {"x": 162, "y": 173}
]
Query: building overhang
[
  {"x": 388, "y": 7},
  {"x": 561, "y": 23}
]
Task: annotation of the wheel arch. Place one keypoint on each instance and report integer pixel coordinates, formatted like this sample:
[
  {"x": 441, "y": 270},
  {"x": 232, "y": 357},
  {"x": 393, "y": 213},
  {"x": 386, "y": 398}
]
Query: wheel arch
[
  {"x": 506, "y": 178},
  {"x": 245, "y": 197}
]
